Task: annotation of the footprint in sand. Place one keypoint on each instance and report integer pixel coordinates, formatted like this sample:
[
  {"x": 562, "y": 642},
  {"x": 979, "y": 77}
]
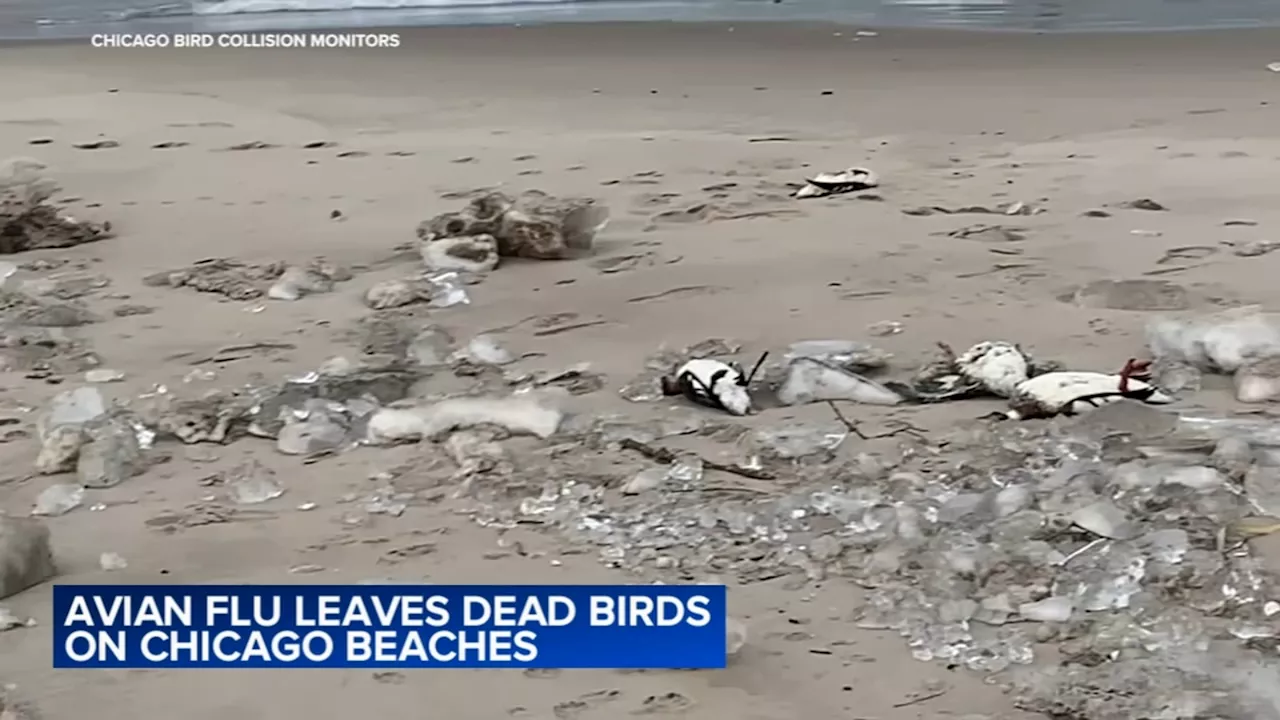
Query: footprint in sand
[
  {"x": 251, "y": 145},
  {"x": 571, "y": 709},
  {"x": 646, "y": 177},
  {"x": 723, "y": 187},
  {"x": 649, "y": 200},
  {"x": 692, "y": 214},
  {"x": 32, "y": 122},
  {"x": 623, "y": 263},
  {"x": 666, "y": 703}
]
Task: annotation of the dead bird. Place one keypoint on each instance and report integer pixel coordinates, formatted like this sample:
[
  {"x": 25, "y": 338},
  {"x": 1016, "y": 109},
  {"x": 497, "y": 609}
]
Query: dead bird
[
  {"x": 996, "y": 366},
  {"x": 988, "y": 368},
  {"x": 714, "y": 384},
  {"x": 1071, "y": 393},
  {"x": 836, "y": 183},
  {"x": 938, "y": 380}
]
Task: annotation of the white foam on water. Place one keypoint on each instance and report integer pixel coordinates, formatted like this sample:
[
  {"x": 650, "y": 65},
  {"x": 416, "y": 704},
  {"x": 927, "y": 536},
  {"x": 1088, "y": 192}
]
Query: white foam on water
[{"x": 239, "y": 7}]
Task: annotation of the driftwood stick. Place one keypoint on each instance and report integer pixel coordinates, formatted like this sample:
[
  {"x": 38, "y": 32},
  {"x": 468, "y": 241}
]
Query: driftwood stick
[
  {"x": 664, "y": 455},
  {"x": 903, "y": 426}
]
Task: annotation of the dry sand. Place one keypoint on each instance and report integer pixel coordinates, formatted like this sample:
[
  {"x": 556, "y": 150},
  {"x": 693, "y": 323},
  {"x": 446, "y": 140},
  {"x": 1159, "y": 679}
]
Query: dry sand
[{"x": 649, "y": 118}]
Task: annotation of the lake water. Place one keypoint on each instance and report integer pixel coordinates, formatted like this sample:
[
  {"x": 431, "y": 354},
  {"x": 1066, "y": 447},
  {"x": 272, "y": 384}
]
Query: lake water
[{"x": 79, "y": 18}]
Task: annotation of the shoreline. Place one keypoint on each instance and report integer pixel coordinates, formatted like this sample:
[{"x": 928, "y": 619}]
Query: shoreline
[
  {"x": 536, "y": 14},
  {"x": 885, "y": 48},
  {"x": 1121, "y": 41}
]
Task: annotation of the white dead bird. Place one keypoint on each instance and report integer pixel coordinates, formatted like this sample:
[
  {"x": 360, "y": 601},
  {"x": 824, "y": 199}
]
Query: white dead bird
[
  {"x": 714, "y": 384},
  {"x": 836, "y": 183},
  {"x": 998, "y": 367},
  {"x": 992, "y": 367},
  {"x": 1071, "y": 393}
]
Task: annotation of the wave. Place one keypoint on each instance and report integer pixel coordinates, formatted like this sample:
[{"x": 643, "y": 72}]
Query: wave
[
  {"x": 241, "y": 7},
  {"x": 166, "y": 10}
]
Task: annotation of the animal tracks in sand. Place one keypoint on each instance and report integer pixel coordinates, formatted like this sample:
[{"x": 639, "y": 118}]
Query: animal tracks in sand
[
  {"x": 707, "y": 212},
  {"x": 604, "y": 703},
  {"x": 625, "y": 263},
  {"x": 677, "y": 292},
  {"x": 644, "y": 177},
  {"x": 583, "y": 704},
  {"x": 283, "y": 199},
  {"x": 666, "y": 703},
  {"x": 764, "y": 201},
  {"x": 205, "y": 124},
  {"x": 549, "y": 325},
  {"x": 102, "y": 144},
  {"x": 247, "y": 146}
]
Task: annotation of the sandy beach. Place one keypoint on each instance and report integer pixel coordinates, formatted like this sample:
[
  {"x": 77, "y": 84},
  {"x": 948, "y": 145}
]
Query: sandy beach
[{"x": 691, "y": 135}]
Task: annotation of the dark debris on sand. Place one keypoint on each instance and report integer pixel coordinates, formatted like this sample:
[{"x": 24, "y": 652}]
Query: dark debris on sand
[
  {"x": 531, "y": 225},
  {"x": 28, "y": 222},
  {"x": 223, "y": 276},
  {"x": 238, "y": 280}
]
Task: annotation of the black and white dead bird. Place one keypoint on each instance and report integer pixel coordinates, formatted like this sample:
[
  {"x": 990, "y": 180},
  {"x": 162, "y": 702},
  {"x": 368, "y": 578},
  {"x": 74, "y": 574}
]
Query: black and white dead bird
[
  {"x": 836, "y": 183},
  {"x": 1071, "y": 393},
  {"x": 714, "y": 384}
]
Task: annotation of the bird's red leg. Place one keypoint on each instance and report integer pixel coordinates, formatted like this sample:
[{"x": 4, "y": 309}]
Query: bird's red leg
[{"x": 1124, "y": 375}]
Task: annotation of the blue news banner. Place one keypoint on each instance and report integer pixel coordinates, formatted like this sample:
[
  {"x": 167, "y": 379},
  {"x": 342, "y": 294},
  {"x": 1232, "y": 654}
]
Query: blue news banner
[{"x": 389, "y": 626}]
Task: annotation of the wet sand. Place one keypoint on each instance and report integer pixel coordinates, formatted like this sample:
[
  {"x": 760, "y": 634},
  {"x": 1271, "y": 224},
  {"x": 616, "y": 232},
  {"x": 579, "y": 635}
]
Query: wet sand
[{"x": 651, "y": 119}]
